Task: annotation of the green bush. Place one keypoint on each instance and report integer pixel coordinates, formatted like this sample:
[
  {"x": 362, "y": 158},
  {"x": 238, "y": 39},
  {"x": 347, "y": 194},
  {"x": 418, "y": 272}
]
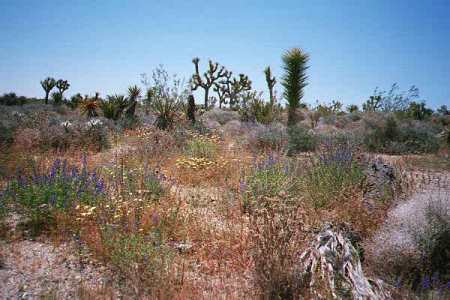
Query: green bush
[
  {"x": 143, "y": 260},
  {"x": 201, "y": 148},
  {"x": 269, "y": 179},
  {"x": 300, "y": 140},
  {"x": 269, "y": 137},
  {"x": 389, "y": 137}
]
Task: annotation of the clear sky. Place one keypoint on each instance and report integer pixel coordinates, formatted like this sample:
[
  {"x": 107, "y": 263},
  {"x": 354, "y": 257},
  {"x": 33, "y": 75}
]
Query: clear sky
[{"x": 104, "y": 45}]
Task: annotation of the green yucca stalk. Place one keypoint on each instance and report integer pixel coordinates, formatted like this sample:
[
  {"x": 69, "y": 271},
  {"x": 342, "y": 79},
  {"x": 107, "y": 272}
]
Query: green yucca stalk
[{"x": 294, "y": 80}]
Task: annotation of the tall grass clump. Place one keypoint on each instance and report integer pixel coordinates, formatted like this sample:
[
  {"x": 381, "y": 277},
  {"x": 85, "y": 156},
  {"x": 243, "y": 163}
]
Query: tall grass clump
[
  {"x": 48, "y": 192},
  {"x": 268, "y": 199},
  {"x": 331, "y": 172}
]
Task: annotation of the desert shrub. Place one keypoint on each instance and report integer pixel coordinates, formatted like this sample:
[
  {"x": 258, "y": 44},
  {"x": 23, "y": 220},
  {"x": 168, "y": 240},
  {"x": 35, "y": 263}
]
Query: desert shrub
[
  {"x": 354, "y": 117},
  {"x": 6, "y": 134},
  {"x": 143, "y": 260},
  {"x": 389, "y": 137},
  {"x": 46, "y": 192},
  {"x": 201, "y": 148},
  {"x": 270, "y": 178},
  {"x": 432, "y": 240},
  {"x": 220, "y": 116},
  {"x": 331, "y": 172},
  {"x": 57, "y": 98},
  {"x": 12, "y": 99},
  {"x": 300, "y": 140},
  {"x": 146, "y": 182},
  {"x": 271, "y": 137},
  {"x": 258, "y": 110},
  {"x": 200, "y": 127}
]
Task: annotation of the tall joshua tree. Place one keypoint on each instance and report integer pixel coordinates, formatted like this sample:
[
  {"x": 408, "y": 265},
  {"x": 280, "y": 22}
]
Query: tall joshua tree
[
  {"x": 294, "y": 80},
  {"x": 134, "y": 92},
  {"x": 212, "y": 75},
  {"x": 62, "y": 86},
  {"x": 237, "y": 87},
  {"x": 271, "y": 81},
  {"x": 48, "y": 84}
]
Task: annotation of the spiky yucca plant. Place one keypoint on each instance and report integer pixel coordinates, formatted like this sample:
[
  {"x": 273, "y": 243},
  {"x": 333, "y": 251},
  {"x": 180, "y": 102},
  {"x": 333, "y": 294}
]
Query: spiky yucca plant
[
  {"x": 114, "y": 106},
  {"x": 134, "y": 92},
  {"x": 48, "y": 84},
  {"x": 294, "y": 80}
]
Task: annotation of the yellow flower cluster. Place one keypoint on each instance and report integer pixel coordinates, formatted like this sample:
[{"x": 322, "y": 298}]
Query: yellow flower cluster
[
  {"x": 198, "y": 163},
  {"x": 85, "y": 210},
  {"x": 213, "y": 138}
]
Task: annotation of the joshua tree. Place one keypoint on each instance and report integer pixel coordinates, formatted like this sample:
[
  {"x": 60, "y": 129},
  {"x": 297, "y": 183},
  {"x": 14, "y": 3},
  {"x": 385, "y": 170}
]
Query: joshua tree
[
  {"x": 211, "y": 76},
  {"x": 191, "y": 109},
  {"x": 134, "y": 93},
  {"x": 62, "y": 86},
  {"x": 48, "y": 84},
  {"x": 222, "y": 88},
  {"x": 294, "y": 80},
  {"x": 237, "y": 87},
  {"x": 271, "y": 81}
]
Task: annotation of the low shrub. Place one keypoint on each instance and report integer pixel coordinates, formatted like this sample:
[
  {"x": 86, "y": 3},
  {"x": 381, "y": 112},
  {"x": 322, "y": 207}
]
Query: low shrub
[
  {"x": 221, "y": 116},
  {"x": 144, "y": 261},
  {"x": 272, "y": 137},
  {"x": 408, "y": 138},
  {"x": 300, "y": 140},
  {"x": 270, "y": 178},
  {"x": 201, "y": 148}
]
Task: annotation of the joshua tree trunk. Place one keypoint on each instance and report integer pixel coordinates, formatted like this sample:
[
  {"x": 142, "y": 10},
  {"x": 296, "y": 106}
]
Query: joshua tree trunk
[
  {"x": 271, "y": 97},
  {"x": 46, "y": 96},
  {"x": 206, "y": 98}
]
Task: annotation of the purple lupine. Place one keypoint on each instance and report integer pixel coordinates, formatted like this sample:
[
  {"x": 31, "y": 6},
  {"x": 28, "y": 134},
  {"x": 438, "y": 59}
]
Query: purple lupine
[
  {"x": 242, "y": 186},
  {"x": 155, "y": 219},
  {"x": 99, "y": 186},
  {"x": 426, "y": 283},
  {"x": 52, "y": 199}
]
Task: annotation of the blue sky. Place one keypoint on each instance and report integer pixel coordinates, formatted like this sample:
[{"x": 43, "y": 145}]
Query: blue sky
[{"x": 103, "y": 46}]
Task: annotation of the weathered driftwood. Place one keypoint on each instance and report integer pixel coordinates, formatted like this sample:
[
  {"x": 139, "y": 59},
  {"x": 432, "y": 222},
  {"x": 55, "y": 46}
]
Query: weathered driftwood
[{"x": 333, "y": 261}]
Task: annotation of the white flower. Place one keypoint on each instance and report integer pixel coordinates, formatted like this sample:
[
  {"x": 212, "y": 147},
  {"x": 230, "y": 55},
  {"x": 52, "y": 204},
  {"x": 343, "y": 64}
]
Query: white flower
[
  {"x": 94, "y": 122},
  {"x": 17, "y": 114},
  {"x": 66, "y": 124}
]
